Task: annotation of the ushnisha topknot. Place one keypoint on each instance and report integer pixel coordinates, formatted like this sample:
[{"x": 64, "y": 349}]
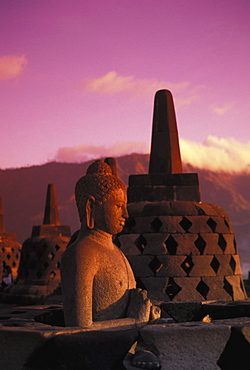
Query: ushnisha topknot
[{"x": 99, "y": 182}]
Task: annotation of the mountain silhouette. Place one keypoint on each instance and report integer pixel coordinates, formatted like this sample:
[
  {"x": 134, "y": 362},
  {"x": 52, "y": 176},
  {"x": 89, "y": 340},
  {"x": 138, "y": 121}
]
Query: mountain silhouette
[{"x": 23, "y": 191}]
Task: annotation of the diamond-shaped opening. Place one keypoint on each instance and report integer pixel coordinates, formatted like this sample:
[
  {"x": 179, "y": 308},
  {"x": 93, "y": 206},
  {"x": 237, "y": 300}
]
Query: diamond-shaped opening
[
  {"x": 3, "y": 249},
  {"x": 215, "y": 264},
  {"x": 130, "y": 223},
  {"x": 155, "y": 265},
  {"x": 186, "y": 224},
  {"x": 17, "y": 256},
  {"x": 200, "y": 244},
  {"x": 46, "y": 264},
  {"x": 226, "y": 223},
  {"x": 140, "y": 285},
  {"x": 140, "y": 243},
  {"x": 156, "y": 225},
  {"x": 187, "y": 264},
  {"x": 58, "y": 265},
  {"x": 235, "y": 246},
  {"x": 171, "y": 245},
  {"x": 12, "y": 249},
  {"x": 8, "y": 256},
  {"x": 13, "y": 264},
  {"x": 52, "y": 275},
  {"x": 172, "y": 289},
  {"x": 39, "y": 274},
  {"x": 222, "y": 242},
  {"x": 212, "y": 224},
  {"x": 232, "y": 264},
  {"x": 57, "y": 247},
  {"x": 228, "y": 287},
  {"x": 51, "y": 256},
  {"x": 203, "y": 289}
]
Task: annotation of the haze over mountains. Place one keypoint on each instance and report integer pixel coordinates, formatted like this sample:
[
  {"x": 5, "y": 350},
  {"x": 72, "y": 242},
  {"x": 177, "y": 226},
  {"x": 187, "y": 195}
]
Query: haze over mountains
[{"x": 23, "y": 191}]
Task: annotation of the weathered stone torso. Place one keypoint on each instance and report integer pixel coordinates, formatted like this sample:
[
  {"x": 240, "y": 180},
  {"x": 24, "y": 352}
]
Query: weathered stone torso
[{"x": 95, "y": 265}]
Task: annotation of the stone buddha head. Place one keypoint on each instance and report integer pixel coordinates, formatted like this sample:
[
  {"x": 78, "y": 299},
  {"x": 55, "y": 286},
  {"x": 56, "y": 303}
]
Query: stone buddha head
[{"x": 101, "y": 199}]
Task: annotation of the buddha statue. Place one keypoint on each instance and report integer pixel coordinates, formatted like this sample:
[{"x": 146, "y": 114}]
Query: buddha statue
[{"x": 98, "y": 283}]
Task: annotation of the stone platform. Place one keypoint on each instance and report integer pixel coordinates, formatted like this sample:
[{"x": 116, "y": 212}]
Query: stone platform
[{"x": 181, "y": 339}]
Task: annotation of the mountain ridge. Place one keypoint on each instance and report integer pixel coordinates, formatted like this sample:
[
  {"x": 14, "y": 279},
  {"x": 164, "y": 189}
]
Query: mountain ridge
[{"x": 23, "y": 191}]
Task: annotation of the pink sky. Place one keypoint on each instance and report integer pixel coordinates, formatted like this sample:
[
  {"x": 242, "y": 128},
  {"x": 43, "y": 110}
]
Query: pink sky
[{"x": 78, "y": 78}]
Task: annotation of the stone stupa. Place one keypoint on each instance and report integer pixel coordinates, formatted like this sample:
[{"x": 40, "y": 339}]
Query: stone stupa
[{"x": 180, "y": 248}]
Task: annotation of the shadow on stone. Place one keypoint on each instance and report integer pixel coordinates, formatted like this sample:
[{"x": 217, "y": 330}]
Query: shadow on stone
[{"x": 99, "y": 350}]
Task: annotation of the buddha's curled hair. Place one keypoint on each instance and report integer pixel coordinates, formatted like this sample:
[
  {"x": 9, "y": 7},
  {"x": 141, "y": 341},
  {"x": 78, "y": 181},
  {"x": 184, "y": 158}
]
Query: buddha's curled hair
[{"x": 98, "y": 182}]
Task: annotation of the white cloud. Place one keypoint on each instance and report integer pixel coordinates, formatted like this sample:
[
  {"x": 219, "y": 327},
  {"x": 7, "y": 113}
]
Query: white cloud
[
  {"x": 12, "y": 66},
  {"x": 222, "y": 109},
  {"x": 113, "y": 83},
  {"x": 217, "y": 154},
  {"x": 83, "y": 152}
]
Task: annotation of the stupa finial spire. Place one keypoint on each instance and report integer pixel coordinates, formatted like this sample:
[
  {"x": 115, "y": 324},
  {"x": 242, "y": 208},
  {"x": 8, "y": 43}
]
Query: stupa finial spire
[
  {"x": 165, "y": 150},
  {"x": 51, "y": 214}
]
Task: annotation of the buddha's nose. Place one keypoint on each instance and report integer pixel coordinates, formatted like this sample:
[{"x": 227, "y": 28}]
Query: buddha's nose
[{"x": 125, "y": 212}]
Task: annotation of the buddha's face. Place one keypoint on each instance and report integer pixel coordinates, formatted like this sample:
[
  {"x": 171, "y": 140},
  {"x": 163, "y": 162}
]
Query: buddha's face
[{"x": 110, "y": 216}]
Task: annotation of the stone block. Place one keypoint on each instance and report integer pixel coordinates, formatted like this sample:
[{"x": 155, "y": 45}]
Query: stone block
[
  {"x": 237, "y": 267},
  {"x": 181, "y": 179},
  {"x": 155, "y": 244},
  {"x": 171, "y": 266},
  {"x": 139, "y": 180},
  {"x": 180, "y": 208},
  {"x": 194, "y": 346},
  {"x": 140, "y": 265},
  {"x": 188, "y": 193},
  {"x": 230, "y": 243},
  {"x": 158, "y": 209},
  {"x": 157, "y": 179},
  {"x": 199, "y": 224},
  {"x": 225, "y": 310},
  {"x": 171, "y": 224},
  {"x": 236, "y": 351},
  {"x": 135, "y": 194},
  {"x": 226, "y": 264},
  {"x": 212, "y": 209},
  {"x": 164, "y": 193},
  {"x": 211, "y": 243},
  {"x": 148, "y": 193},
  {"x": 214, "y": 288},
  {"x": 184, "y": 244},
  {"x": 188, "y": 290},
  {"x": 136, "y": 209},
  {"x": 201, "y": 266},
  {"x": 155, "y": 287},
  {"x": 182, "y": 311},
  {"x": 128, "y": 245},
  {"x": 238, "y": 289}
]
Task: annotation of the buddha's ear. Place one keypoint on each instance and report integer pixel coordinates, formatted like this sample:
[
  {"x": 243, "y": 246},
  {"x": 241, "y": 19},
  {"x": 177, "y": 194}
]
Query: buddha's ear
[{"x": 90, "y": 220}]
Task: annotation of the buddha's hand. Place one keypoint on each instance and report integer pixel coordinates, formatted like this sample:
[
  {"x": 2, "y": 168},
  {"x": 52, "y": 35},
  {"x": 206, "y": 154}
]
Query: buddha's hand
[{"x": 139, "y": 306}]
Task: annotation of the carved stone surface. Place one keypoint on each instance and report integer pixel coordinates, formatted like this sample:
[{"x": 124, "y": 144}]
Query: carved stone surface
[
  {"x": 39, "y": 269},
  {"x": 179, "y": 247},
  {"x": 97, "y": 280}
]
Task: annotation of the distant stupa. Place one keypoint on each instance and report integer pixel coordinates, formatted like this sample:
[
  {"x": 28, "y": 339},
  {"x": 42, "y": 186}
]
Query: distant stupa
[
  {"x": 39, "y": 270},
  {"x": 10, "y": 249}
]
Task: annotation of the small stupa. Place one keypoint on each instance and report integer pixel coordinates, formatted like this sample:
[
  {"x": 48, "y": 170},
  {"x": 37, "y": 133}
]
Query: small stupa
[
  {"x": 10, "y": 249},
  {"x": 39, "y": 269},
  {"x": 180, "y": 248}
]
